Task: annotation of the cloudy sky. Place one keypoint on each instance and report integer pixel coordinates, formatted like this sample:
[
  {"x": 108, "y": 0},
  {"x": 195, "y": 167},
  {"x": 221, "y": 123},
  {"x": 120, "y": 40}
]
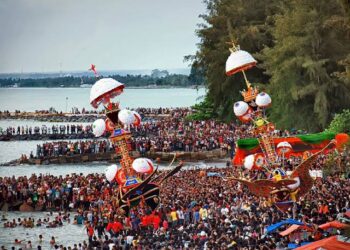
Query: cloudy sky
[{"x": 41, "y": 35}]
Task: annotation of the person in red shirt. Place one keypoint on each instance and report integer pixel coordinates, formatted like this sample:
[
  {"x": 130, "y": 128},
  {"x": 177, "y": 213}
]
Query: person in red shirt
[
  {"x": 114, "y": 228},
  {"x": 156, "y": 221},
  {"x": 165, "y": 225},
  {"x": 90, "y": 232}
]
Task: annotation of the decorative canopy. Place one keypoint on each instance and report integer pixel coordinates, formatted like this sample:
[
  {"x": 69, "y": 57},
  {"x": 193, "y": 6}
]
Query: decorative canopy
[
  {"x": 104, "y": 88},
  {"x": 284, "y": 144},
  {"x": 239, "y": 60}
]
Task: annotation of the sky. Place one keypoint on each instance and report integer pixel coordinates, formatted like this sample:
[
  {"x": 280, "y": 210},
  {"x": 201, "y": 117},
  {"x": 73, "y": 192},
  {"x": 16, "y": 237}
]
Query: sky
[{"x": 69, "y": 35}]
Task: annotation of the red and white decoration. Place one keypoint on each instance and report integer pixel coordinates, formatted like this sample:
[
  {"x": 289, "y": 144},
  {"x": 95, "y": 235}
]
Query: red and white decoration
[{"x": 143, "y": 165}]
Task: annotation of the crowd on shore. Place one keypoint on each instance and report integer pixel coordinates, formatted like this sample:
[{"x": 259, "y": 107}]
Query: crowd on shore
[
  {"x": 156, "y": 136},
  {"x": 59, "y": 148},
  {"x": 196, "y": 211},
  {"x": 6, "y": 114},
  {"x": 152, "y": 137},
  {"x": 172, "y": 133},
  {"x": 47, "y": 130}
]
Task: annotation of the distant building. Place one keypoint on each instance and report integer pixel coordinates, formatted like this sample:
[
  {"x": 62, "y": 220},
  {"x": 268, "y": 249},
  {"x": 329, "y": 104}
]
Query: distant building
[{"x": 156, "y": 73}]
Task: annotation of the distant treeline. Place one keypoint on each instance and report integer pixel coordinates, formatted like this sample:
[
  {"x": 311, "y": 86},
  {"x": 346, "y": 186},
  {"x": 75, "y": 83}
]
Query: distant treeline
[
  {"x": 158, "y": 78},
  {"x": 70, "y": 81}
]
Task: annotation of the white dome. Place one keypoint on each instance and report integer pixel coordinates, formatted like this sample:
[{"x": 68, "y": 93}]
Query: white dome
[
  {"x": 126, "y": 116},
  {"x": 239, "y": 60},
  {"x": 263, "y": 100},
  {"x": 284, "y": 144},
  {"x": 248, "y": 162},
  {"x": 240, "y": 108},
  {"x": 142, "y": 165},
  {"x": 110, "y": 172},
  {"x": 98, "y": 127},
  {"x": 104, "y": 87}
]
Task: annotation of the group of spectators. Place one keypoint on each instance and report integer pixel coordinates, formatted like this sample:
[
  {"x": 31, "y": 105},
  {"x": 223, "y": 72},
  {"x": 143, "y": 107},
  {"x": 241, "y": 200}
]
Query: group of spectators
[
  {"x": 173, "y": 133},
  {"x": 58, "y": 148},
  {"x": 156, "y": 136},
  {"x": 6, "y": 114},
  {"x": 176, "y": 134},
  {"x": 197, "y": 210},
  {"x": 45, "y": 130}
]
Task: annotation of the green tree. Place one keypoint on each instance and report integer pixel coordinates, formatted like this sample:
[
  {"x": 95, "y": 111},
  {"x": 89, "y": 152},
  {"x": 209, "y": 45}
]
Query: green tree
[
  {"x": 340, "y": 123},
  {"x": 203, "y": 111},
  {"x": 309, "y": 63},
  {"x": 245, "y": 21},
  {"x": 196, "y": 76}
]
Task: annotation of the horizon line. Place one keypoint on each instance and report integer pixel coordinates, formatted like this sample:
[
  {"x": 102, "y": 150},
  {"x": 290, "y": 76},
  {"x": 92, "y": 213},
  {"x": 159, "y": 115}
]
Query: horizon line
[{"x": 87, "y": 70}]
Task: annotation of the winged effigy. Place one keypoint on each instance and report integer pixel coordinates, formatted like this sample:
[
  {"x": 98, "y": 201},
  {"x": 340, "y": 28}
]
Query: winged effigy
[
  {"x": 138, "y": 179},
  {"x": 267, "y": 152}
]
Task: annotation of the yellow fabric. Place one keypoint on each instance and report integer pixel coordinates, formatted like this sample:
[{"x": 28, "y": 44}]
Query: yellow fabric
[
  {"x": 293, "y": 195},
  {"x": 173, "y": 215},
  {"x": 278, "y": 177},
  {"x": 203, "y": 213},
  {"x": 259, "y": 122}
]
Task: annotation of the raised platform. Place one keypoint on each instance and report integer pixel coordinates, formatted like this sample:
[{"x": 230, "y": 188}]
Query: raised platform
[{"x": 113, "y": 157}]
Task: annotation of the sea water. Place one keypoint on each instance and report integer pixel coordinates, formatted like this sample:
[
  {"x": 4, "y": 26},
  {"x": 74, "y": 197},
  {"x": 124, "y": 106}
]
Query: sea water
[{"x": 64, "y": 99}]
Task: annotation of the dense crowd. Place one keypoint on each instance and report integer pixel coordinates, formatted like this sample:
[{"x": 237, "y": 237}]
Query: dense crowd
[
  {"x": 169, "y": 135},
  {"x": 51, "y": 111},
  {"x": 45, "y": 130},
  {"x": 83, "y": 111},
  {"x": 72, "y": 148},
  {"x": 196, "y": 211}
]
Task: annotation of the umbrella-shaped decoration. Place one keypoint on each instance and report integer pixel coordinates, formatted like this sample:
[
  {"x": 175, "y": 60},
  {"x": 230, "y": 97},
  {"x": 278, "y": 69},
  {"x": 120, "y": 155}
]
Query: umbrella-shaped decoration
[
  {"x": 143, "y": 165},
  {"x": 284, "y": 148},
  {"x": 239, "y": 60},
  {"x": 98, "y": 127},
  {"x": 103, "y": 90}
]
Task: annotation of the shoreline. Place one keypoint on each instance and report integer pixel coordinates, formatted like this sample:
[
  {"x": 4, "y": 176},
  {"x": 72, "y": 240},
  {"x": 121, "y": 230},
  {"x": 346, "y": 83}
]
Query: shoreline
[
  {"x": 111, "y": 157},
  {"x": 133, "y": 87},
  {"x": 64, "y": 117}
]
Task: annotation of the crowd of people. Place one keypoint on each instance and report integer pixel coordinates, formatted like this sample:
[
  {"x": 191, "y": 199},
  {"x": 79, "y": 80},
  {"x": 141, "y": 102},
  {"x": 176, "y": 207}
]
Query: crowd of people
[
  {"x": 156, "y": 136},
  {"x": 6, "y": 114},
  {"x": 172, "y": 133},
  {"x": 47, "y": 130},
  {"x": 58, "y": 148},
  {"x": 31, "y": 222},
  {"x": 52, "y": 111},
  {"x": 197, "y": 210}
]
